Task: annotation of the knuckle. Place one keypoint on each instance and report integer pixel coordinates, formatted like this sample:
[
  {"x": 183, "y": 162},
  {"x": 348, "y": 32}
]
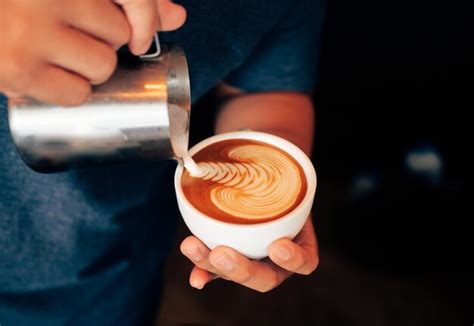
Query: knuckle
[
  {"x": 272, "y": 281},
  {"x": 245, "y": 276},
  {"x": 82, "y": 91},
  {"x": 297, "y": 263},
  {"x": 307, "y": 271},
  {"x": 311, "y": 267},
  {"x": 106, "y": 63},
  {"x": 123, "y": 34}
]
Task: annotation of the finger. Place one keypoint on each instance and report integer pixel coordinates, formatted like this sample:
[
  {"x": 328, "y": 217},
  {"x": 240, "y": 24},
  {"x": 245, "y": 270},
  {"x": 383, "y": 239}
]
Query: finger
[
  {"x": 300, "y": 256},
  {"x": 292, "y": 257},
  {"x": 101, "y": 19},
  {"x": 259, "y": 276},
  {"x": 172, "y": 16},
  {"x": 52, "y": 84},
  {"x": 200, "y": 277},
  {"x": 143, "y": 18},
  {"x": 82, "y": 54},
  {"x": 307, "y": 235},
  {"x": 197, "y": 252}
]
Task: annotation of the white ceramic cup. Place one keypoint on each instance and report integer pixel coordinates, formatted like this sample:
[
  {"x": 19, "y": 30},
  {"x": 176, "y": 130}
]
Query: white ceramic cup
[{"x": 251, "y": 240}]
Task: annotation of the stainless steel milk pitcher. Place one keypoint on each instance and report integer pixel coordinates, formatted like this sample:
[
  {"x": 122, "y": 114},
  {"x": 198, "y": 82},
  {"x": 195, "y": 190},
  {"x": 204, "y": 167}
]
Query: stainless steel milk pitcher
[{"x": 141, "y": 112}]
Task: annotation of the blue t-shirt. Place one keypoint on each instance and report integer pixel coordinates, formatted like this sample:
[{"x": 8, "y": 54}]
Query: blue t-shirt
[{"x": 86, "y": 247}]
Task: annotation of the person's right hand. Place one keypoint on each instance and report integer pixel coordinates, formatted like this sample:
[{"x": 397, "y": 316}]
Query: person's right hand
[{"x": 53, "y": 50}]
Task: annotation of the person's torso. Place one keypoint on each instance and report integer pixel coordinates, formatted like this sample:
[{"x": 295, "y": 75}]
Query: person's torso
[{"x": 81, "y": 227}]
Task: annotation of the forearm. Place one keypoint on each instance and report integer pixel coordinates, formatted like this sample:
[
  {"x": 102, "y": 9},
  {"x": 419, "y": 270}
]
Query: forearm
[{"x": 289, "y": 115}]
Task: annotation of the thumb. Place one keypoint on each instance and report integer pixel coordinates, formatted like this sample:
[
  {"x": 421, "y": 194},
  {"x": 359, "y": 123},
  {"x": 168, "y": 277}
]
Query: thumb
[
  {"x": 143, "y": 20},
  {"x": 172, "y": 16},
  {"x": 146, "y": 17}
]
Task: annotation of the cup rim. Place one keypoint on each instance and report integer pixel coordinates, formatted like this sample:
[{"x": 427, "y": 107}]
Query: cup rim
[{"x": 270, "y": 139}]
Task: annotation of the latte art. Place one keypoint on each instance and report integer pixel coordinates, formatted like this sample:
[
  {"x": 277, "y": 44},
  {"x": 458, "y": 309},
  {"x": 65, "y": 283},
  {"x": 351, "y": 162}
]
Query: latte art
[{"x": 245, "y": 180}]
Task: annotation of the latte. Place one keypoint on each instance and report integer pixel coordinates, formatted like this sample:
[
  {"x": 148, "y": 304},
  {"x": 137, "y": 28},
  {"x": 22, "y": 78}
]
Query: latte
[{"x": 244, "y": 181}]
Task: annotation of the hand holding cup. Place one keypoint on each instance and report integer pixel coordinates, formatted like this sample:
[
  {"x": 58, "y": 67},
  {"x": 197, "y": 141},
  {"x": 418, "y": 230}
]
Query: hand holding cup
[{"x": 256, "y": 196}]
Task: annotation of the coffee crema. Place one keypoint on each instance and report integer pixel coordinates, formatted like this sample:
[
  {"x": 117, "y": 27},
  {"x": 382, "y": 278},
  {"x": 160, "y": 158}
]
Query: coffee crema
[{"x": 245, "y": 181}]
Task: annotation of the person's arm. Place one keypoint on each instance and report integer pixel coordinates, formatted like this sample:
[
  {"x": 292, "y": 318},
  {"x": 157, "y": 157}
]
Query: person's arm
[{"x": 288, "y": 115}]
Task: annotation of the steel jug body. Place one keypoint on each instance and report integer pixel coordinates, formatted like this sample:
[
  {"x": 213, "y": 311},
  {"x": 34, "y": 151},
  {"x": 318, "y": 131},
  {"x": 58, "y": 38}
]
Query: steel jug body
[{"x": 141, "y": 112}]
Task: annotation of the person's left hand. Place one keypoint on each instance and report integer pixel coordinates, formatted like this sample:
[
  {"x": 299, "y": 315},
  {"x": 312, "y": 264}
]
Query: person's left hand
[{"x": 285, "y": 258}]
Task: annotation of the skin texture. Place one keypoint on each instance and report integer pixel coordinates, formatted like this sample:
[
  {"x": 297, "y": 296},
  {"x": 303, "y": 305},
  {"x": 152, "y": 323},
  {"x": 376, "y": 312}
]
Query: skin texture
[
  {"x": 148, "y": 16},
  {"x": 54, "y": 50},
  {"x": 273, "y": 113}
]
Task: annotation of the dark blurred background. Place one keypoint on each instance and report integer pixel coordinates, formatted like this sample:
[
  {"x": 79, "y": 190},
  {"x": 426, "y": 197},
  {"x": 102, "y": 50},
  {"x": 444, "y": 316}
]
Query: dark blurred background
[{"x": 392, "y": 153}]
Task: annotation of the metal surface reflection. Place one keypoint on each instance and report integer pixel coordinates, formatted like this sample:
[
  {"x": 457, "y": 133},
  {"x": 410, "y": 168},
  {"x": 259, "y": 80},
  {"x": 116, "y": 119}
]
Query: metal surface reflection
[{"x": 142, "y": 112}]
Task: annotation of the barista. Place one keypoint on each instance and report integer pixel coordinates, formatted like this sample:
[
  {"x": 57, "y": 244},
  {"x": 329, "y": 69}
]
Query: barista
[{"x": 87, "y": 247}]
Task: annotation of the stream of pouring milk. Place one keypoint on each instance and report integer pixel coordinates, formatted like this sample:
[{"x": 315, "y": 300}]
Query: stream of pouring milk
[{"x": 193, "y": 169}]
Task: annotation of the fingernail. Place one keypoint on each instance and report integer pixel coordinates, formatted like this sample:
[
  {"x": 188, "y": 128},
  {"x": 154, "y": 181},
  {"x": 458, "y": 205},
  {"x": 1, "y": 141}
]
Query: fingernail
[
  {"x": 195, "y": 254},
  {"x": 197, "y": 285},
  {"x": 283, "y": 252},
  {"x": 225, "y": 262}
]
